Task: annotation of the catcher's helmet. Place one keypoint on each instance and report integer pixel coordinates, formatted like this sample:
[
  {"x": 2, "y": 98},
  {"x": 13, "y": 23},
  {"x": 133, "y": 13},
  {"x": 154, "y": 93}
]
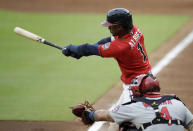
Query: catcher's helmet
[
  {"x": 144, "y": 84},
  {"x": 119, "y": 16}
]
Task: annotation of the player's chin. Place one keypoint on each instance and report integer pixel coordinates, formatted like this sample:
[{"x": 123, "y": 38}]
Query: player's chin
[{"x": 113, "y": 34}]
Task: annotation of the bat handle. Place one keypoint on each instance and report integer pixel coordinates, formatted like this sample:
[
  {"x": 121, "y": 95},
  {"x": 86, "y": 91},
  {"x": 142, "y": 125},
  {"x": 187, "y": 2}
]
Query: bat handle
[{"x": 51, "y": 44}]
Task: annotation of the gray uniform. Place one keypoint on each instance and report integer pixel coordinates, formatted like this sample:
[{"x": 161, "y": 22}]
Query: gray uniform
[{"x": 139, "y": 113}]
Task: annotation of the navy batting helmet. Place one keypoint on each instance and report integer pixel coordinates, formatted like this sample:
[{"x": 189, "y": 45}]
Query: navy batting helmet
[
  {"x": 119, "y": 16},
  {"x": 144, "y": 84}
]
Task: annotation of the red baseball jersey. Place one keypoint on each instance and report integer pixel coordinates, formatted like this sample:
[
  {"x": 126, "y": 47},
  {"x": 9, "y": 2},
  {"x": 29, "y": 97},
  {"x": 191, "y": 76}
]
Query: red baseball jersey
[{"x": 130, "y": 53}]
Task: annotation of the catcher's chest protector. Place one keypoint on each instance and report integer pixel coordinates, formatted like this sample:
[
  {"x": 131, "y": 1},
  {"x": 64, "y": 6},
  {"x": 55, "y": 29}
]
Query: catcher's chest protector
[
  {"x": 155, "y": 104},
  {"x": 159, "y": 120}
]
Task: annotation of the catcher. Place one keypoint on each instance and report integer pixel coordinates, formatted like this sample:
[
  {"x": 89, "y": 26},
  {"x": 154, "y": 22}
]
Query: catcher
[{"x": 148, "y": 111}]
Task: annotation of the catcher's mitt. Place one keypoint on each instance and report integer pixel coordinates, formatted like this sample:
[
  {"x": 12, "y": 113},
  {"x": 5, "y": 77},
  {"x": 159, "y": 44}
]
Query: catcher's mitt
[{"x": 83, "y": 111}]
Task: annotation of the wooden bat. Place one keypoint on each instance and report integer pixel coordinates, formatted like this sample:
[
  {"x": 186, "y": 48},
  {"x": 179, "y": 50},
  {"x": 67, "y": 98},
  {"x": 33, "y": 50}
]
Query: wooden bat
[{"x": 34, "y": 37}]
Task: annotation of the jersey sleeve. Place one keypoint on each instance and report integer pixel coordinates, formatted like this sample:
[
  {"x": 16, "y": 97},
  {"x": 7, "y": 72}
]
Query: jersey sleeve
[
  {"x": 119, "y": 115},
  {"x": 112, "y": 49},
  {"x": 122, "y": 113}
]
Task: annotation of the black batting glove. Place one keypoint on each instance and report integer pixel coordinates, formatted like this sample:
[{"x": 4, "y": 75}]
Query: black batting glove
[
  {"x": 69, "y": 51},
  {"x": 66, "y": 51},
  {"x": 75, "y": 56}
]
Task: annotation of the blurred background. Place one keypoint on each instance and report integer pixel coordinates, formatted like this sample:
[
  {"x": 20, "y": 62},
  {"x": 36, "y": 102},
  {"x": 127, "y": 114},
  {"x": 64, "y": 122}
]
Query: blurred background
[{"x": 136, "y": 6}]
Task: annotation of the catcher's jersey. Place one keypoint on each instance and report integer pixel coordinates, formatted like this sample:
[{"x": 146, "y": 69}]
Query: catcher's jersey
[
  {"x": 140, "y": 112},
  {"x": 130, "y": 53}
]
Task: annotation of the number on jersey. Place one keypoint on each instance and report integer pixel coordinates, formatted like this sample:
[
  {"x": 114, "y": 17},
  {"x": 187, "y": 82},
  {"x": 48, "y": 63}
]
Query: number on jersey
[
  {"x": 139, "y": 47},
  {"x": 165, "y": 114}
]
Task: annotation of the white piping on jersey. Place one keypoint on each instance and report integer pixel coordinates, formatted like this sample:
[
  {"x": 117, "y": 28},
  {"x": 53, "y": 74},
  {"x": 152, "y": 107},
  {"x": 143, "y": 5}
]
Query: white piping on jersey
[{"x": 112, "y": 38}]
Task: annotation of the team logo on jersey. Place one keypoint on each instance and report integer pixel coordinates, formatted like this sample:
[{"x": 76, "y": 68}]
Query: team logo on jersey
[{"x": 106, "y": 46}]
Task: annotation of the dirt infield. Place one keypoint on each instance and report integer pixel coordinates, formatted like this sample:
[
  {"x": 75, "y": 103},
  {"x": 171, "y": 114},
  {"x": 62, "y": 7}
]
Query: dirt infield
[
  {"x": 136, "y": 6},
  {"x": 175, "y": 78}
]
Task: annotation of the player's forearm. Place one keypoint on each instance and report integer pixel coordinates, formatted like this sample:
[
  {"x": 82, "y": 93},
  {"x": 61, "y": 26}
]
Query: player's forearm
[
  {"x": 81, "y": 50},
  {"x": 77, "y": 51},
  {"x": 102, "y": 115},
  {"x": 88, "y": 49}
]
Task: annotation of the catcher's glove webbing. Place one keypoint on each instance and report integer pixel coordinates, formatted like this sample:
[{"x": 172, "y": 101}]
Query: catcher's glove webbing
[{"x": 85, "y": 112}]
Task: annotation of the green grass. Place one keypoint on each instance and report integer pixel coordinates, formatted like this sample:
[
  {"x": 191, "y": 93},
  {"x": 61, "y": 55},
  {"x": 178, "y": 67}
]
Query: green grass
[
  {"x": 37, "y": 83},
  {"x": 159, "y": 28}
]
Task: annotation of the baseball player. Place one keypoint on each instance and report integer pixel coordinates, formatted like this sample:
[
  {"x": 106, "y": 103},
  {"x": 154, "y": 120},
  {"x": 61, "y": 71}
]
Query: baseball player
[
  {"x": 126, "y": 46},
  {"x": 148, "y": 111}
]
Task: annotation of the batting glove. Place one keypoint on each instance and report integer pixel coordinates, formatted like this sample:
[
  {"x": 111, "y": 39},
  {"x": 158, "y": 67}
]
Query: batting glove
[{"x": 70, "y": 50}]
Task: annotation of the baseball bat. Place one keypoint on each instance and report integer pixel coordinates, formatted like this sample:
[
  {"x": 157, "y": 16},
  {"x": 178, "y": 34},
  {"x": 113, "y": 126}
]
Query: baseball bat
[{"x": 34, "y": 37}]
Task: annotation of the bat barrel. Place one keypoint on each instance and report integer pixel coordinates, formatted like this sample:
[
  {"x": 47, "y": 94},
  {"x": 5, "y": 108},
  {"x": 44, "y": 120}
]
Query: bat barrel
[{"x": 34, "y": 37}]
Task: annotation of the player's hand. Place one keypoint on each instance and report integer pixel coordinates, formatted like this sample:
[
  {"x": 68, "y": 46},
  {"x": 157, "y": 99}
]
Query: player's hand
[
  {"x": 83, "y": 111},
  {"x": 69, "y": 51},
  {"x": 66, "y": 51}
]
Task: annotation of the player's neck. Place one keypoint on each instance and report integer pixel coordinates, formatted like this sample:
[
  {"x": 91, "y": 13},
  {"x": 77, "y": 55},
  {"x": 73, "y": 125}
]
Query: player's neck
[{"x": 123, "y": 33}]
